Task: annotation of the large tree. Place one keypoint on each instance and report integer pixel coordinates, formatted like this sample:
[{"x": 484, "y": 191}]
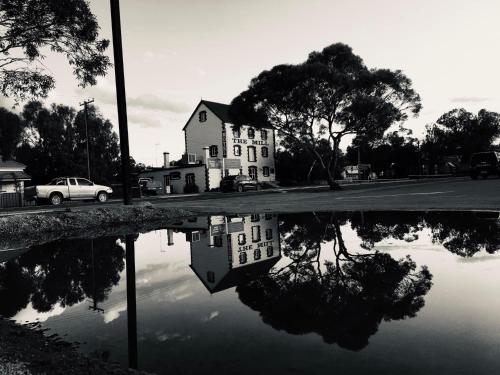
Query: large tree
[
  {"x": 459, "y": 132},
  {"x": 11, "y": 128},
  {"x": 54, "y": 143},
  {"x": 329, "y": 96},
  {"x": 31, "y": 28}
]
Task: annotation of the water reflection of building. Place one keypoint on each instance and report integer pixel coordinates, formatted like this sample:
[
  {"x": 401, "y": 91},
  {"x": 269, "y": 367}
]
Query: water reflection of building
[{"x": 226, "y": 250}]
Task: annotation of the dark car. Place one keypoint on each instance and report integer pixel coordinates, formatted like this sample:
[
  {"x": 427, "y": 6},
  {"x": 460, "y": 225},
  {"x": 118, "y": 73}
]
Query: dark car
[
  {"x": 485, "y": 164},
  {"x": 238, "y": 183}
]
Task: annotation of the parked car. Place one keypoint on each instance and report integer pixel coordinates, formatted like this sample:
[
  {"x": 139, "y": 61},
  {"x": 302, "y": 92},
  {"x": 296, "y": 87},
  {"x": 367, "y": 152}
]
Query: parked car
[
  {"x": 485, "y": 164},
  {"x": 68, "y": 188},
  {"x": 149, "y": 186},
  {"x": 238, "y": 183}
]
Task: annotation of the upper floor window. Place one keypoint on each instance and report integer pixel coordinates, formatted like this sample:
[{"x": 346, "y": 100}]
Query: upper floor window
[
  {"x": 251, "y": 133},
  {"x": 236, "y": 133},
  {"x": 213, "y": 151},
  {"x": 256, "y": 233},
  {"x": 237, "y": 150},
  {"x": 242, "y": 239},
  {"x": 255, "y": 217},
  {"x": 202, "y": 116},
  {"x": 265, "y": 152},
  {"x": 269, "y": 234},
  {"x": 263, "y": 135},
  {"x": 252, "y": 153}
]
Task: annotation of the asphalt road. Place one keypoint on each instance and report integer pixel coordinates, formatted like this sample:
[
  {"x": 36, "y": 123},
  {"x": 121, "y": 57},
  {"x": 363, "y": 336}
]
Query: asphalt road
[
  {"x": 458, "y": 194},
  {"x": 451, "y": 194}
]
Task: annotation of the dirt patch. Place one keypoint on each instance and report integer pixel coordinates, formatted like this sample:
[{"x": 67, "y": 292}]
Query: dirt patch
[
  {"x": 25, "y": 230},
  {"x": 27, "y": 350}
]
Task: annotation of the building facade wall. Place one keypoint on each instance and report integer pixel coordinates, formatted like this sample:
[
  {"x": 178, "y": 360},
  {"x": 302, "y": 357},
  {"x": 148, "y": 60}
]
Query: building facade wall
[
  {"x": 245, "y": 144},
  {"x": 203, "y": 134},
  {"x": 178, "y": 177}
]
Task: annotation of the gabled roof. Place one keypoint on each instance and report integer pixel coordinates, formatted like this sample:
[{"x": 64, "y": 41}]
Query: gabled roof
[
  {"x": 10, "y": 164},
  {"x": 219, "y": 109}
]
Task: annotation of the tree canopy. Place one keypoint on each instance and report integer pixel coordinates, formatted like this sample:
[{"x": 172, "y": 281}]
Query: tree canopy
[
  {"x": 30, "y": 28},
  {"x": 331, "y": 95},
  {"x": 54, "y": 143},
  {"x": 459, "y": 132},
  {"x": 11, "y": 128}
]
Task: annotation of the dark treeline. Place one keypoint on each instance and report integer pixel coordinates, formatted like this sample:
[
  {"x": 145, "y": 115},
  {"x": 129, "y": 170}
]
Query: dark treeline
[
  {"x": 454, "y": 137},
  {"x": 51, "y": 142}
]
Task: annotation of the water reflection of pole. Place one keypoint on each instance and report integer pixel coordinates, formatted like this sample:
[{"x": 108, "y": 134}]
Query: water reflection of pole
[
  {"x": 131, "y": 302},
  {"x": 94, "y": 289}
]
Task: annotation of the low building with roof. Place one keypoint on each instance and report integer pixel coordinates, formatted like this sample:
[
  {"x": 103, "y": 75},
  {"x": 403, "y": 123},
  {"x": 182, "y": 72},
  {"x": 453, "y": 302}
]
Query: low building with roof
[{"x": 12, "y": 176}]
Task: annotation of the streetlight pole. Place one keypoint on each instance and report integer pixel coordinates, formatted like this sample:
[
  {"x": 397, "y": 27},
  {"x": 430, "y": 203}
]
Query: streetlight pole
[
  {"x": 121, "y": 99},
  {"x": 85, "y": 104}
]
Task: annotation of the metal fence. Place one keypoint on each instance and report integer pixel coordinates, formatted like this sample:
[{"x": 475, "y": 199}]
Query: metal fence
[{"x": 9, "y": 200}]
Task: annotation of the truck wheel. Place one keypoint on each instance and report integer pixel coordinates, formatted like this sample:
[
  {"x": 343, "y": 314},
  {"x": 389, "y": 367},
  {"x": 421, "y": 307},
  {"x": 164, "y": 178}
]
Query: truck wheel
[
  {"x": 56, "y": 199},
  {"x": 102, "y": 196}
]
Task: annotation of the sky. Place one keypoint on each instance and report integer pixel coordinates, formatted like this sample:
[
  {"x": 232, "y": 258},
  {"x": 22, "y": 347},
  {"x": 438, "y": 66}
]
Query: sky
[{"x": 179, "y": 51}]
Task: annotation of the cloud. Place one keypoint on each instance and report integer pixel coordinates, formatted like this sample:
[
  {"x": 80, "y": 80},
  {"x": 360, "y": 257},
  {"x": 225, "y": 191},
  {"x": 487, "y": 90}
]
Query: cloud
[
  {"x": 469, "y": 99},
  {"x": 145, "y": 101},
  {"x": 143, "y": 120}
]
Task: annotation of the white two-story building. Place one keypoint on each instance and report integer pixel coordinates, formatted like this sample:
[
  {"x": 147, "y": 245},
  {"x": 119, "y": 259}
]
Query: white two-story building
[{"x": 212, "y": 141}]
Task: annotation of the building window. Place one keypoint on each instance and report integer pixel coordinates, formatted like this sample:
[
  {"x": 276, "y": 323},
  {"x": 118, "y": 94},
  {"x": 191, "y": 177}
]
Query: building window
[
  {"x": 252, "y": 153},
  {"x": 190, "y": 180},
  {"x": 251, "y": 133},
  {"x": 263, "y": 135},
  {"x": 213, "y": 151},
  {"x": 195, "y": 236},
  {"x": 210, "y": 277},
  {"x": 175, "y": 175},
  {"x": 236, "y": 133},
  {"x": 265, "y": 152},
  {"x": 265, "y": 171},
  {"x": 237, "y": 150},
  {"x": 191, "y": 158},
  {"x": 256, "y": 233},
  {"x": 272, "y": 170},
  {"x": 270, "y": 251},
  {"x": 254, "y": 218},
  {"x": 218, "y": 241},
  {"x": 269, "y": 234},
  {"x": 252, "y": 172},
  {"x": 268, "y": 216},
  {"x": 243, "y": 257},
  {"x": 256, "y": 254},
  {"x": 242, "y": 239},
  {"x": 202, "y": 116}
]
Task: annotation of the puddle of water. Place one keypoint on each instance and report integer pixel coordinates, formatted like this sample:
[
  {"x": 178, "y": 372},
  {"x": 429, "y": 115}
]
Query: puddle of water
[{"x": 351, "y": 293}]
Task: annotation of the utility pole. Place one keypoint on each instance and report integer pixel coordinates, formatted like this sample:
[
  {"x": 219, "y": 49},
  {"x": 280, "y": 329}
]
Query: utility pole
[
  {"x": 85, "y": 104},
  {"x": 121, "y": 99}
]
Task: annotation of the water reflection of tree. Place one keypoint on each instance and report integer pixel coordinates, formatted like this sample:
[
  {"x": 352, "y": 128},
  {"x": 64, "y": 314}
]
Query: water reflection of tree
[
  {"x": 462, "y": 233},
  {"x": 344, "y": 299},
  {"x": 62, "y": 272}
]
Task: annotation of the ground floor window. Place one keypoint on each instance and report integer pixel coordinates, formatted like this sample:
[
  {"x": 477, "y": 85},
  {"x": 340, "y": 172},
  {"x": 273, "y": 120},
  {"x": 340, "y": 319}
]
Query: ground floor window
[
  {"x": 270, "y": 251},
  {"x": 256, "y": 254},
  {"x": 190, "y": 179},
  {"x": 237, "y": 150},
  {"x": 243, "y": 258},
  {"x": 252, "y": 172},
  {"x": 265, "y": 171}
]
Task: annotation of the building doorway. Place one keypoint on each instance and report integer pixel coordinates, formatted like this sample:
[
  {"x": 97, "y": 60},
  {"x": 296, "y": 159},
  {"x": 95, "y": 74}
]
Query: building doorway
[
  {"x": 252, "y": 172},
  {"x": 166, "y": 184}
]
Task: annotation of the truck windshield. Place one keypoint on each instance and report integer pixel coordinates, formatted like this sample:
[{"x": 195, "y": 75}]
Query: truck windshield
[{"x": 58, "y": 181}]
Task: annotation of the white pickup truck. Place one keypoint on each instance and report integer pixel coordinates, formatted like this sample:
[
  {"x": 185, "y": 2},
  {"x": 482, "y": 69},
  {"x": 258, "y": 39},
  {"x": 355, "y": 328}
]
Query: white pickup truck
[{"x": 64, "y": 188}]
